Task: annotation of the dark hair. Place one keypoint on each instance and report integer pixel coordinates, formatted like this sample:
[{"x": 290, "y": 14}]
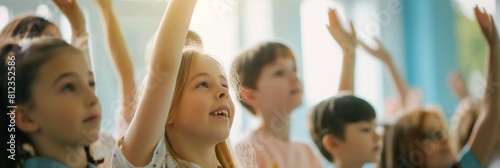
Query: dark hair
[
  {"x": 28, "y": 61},
  {"x": 332, "y": 115},
  {"x": 248, "y": 65},
  {"x": 27, "y": 26}
]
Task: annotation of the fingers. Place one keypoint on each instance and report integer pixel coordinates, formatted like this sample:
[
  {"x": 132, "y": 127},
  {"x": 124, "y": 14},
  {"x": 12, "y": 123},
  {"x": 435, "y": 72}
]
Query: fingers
[
  {"x": 353, "y": 32},
  {"x": 334, "y": 19},
  {"x": 482, "y": 19}
]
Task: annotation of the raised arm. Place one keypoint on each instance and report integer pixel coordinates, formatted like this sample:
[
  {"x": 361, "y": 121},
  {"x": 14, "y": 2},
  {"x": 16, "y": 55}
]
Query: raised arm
[
  {"x": 484, "y": 136},
  {"x": 148, "y": 124},
  {"x": 347, "y": 41},
  {"x": 78, "y": 24},
  {"x": 120, "y": 57},
  {"x": 384, "y": 56}
]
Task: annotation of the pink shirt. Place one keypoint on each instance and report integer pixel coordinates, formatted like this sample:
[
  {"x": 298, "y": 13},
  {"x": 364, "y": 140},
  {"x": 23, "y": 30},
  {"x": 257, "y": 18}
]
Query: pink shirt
[{"x": 271, "y": 152}]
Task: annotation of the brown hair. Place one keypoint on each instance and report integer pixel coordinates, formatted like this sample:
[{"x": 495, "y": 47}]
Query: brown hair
[
  {"x": 26, "y": 26},
  {"x": 248, "y": 65},
  {"x": 222, "y": 149},
  {"x": 404, "y": 140},
  {"x": 28, "y": 61}
]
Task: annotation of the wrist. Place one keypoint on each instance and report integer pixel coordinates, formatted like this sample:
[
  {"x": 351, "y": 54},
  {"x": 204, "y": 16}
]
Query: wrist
[{"x": 105, "y": 8}]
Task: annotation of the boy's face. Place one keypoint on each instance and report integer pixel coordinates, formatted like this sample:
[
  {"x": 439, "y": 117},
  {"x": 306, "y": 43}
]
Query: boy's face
[
  {"x": 278, "y": 86},
  {"x": 360, "y": 144}
]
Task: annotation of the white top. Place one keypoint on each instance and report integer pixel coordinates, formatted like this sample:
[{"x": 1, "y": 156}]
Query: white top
[
  {"x": 161, "y": 158},
  {"x": 103, "y": 149},
  {"x": 271, "y": 152}
]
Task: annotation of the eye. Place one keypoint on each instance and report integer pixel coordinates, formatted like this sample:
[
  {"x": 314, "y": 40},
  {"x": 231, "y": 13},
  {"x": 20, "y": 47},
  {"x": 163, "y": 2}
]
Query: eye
[
  {"x": 225, "y": 86},
  {"x": 92, "y": 84},
  {"x": 68, "y": 88},
  {"x": 279, "y": 73},
  {"x": 202, "y": 85},
  {"x": 366, "y": 129}
]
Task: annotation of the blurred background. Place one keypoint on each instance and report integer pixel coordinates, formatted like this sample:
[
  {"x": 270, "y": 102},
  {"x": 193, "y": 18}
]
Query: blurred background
[{"x": 428, "y": 40}]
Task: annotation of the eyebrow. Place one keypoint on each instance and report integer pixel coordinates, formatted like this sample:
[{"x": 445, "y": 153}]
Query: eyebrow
[
  {"x": 206, "y": 74},
  {"x": 68, "y": 74}
]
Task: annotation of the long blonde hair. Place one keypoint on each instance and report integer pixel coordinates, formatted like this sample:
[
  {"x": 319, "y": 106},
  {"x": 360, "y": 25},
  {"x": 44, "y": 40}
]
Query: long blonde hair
[{"x": 222, "y": 149}]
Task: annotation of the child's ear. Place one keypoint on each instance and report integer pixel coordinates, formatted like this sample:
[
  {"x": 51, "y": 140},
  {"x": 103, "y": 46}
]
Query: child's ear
[
  {"x": 330, "y": 143},
  {"x": 248, "y": 96},
  {"x": 25, "y": 120}
]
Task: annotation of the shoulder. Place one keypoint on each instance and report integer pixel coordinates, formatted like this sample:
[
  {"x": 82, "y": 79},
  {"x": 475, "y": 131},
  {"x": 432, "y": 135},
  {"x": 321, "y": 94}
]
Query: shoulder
[{"x": 305, "y": 148}]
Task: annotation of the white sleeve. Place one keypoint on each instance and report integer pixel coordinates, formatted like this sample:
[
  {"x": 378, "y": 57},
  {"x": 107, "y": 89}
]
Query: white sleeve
[{"x": 158, "y": 159}]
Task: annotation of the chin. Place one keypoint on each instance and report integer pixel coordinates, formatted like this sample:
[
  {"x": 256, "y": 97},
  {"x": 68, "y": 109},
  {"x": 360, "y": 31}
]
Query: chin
[
  {"x": 91, "y": 134},
  {"x": 220, "y": 134},
  {"x": 296, "y": 103}
]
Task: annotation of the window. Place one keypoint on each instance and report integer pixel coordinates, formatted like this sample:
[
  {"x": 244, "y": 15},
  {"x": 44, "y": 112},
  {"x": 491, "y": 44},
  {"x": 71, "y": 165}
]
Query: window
[
  {"x": 4, "y": 16},
  {"x": 322, "y": 56}
]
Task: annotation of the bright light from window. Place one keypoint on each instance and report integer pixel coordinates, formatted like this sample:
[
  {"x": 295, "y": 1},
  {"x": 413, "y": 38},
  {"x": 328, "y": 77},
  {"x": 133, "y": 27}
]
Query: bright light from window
[
  {"x": 65, "y": 28},
  {"x": 322, "y": 58},
  {"x": 4, "y": 16},
  {"x": 43, "y": 10},
  {"x": 467, "y": 6}
]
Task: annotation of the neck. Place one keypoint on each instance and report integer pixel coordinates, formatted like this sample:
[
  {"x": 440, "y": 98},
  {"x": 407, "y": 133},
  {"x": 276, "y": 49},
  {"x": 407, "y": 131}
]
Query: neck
[
  {"x": 70, "y": 155},
  {"x": 276, "y": 122},
  {"x": 341, "y": 164},
  {"x": 192, "y": 150}
]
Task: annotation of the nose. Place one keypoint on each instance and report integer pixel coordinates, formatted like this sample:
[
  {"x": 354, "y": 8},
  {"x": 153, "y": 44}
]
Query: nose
[
  {"x": 376, "y": 136},
  {"x": 223, "y": 93},
  {"x": 91, "y": 97},
  {"x": 294, "y": 79}
]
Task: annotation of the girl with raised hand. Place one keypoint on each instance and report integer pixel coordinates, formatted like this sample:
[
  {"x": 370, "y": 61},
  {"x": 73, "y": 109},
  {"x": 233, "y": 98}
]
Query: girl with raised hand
[
  {"x": 420, "y": 139},
  {"x": 185, "y": 114}
]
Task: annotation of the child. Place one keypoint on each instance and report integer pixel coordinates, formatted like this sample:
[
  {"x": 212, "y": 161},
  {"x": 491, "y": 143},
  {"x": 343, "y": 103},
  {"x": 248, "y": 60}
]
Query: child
[
  {"x": 122, "y": 62},
  {"x": 31, "y": 26},
  {"x": 52, "y": 89},
  {"x": 343, "y": 127},
  {"x": 419, "y": 138},
  {"x": 271, "y": 90},
  {"x": 185, "y": 114}
]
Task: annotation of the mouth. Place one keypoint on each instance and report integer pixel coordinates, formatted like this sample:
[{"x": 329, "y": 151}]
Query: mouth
[
  {"x": 222, "y": 111},
  {"x": 295, "y": 91},
  {"x": 93, "y": 118}
]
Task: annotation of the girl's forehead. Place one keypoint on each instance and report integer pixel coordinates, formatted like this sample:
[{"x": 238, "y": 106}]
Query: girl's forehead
[{"x": 208, "y": 65}]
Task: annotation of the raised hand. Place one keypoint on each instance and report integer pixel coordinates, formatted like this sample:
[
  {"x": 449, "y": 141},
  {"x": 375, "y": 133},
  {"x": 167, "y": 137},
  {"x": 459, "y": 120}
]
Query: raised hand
[
  {"x": 483, "y": 139},
  {"x": 346, "y": 39},
  {"x": 378, "y": 52},
  {"x": 73, "y": 12},
  {"x": 487, "y": 25}
]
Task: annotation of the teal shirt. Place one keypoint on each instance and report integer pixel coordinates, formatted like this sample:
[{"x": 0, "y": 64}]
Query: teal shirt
[
  {"x": 467, "y": 158},
  {"x": 45, "y": 162}
]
